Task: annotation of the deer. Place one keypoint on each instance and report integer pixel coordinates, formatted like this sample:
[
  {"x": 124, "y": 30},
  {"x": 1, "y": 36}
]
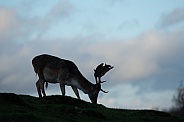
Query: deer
[{"x": 52, "y": 69}]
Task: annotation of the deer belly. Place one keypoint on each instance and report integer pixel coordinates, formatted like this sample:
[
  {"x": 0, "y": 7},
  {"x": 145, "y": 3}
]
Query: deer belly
[
  {"x": 50, "y": 75},
  {"x": 72, "y": 82}
]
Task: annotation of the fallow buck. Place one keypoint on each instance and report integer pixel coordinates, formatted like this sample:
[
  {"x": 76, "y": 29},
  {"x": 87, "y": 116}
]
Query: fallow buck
[{"x": 51, "y": 69}]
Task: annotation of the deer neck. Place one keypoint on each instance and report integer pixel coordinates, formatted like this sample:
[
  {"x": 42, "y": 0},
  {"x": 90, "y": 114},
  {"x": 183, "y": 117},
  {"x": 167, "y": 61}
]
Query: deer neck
[{"x": 84, "y": 85}]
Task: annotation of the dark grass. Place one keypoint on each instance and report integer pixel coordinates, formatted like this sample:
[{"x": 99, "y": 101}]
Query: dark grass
[{"x": 25, "y": 108}]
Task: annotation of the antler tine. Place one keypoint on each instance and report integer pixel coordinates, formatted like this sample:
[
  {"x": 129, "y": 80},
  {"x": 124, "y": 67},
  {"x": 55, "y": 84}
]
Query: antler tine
[
  {"x": 104, "y": 91},
  {"x": 100, "y": 86},
  {"x": 102, "y": 81}
]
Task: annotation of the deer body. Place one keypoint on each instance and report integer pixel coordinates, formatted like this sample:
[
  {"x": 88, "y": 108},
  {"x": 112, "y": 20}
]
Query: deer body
[{"x": 51, "y": 69}]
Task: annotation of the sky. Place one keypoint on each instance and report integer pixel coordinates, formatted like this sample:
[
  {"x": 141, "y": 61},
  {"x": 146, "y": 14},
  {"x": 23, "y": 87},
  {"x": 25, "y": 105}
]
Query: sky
[{"x": 142, "y": 39}]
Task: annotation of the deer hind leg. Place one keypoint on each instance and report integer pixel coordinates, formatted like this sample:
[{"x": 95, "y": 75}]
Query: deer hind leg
[
  {"x": 43, "y": 90},
  {"x": 76, "y": 92},
  {"x": 40, "y": 84},
  {"x": 38, "y": 88}
]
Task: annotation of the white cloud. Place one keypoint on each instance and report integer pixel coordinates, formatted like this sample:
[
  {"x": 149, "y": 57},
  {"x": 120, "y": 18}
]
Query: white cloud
[
  {"x": 8, "y": 21},
  {"x": 126, "y": 96},
  {"x": 173, "y": 18},
  {"x": 140, "y": 57},
  {"x": 62, "y": 8},
  {"x": 15, "y": 25},
  {"x": 5, "y": 18}
]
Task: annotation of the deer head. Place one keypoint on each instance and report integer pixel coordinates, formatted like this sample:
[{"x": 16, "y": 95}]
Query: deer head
[{"x": 100, "y": 71}]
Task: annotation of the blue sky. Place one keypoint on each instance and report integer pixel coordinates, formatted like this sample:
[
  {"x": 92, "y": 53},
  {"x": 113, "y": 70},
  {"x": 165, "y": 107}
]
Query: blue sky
[{"x": 142, "y": 39}]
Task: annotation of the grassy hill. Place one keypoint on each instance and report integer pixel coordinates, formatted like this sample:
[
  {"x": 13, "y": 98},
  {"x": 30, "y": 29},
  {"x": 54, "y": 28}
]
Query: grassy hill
[{"x": 24, "y": 108}]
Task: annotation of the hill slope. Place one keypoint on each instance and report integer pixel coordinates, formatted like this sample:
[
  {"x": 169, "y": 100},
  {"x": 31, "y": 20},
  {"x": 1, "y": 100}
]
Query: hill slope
[{"x": 24, "y": 108}]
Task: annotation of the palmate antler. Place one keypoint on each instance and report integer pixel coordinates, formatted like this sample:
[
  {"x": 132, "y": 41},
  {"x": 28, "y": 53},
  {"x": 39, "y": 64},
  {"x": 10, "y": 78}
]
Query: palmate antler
[{"x": 100, "y": 71}]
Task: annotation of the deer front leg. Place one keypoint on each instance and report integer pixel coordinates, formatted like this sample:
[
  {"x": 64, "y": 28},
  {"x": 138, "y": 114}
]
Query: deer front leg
[
  {"x": 76, "y": 92},
  {"x": 62, "y": 86}
]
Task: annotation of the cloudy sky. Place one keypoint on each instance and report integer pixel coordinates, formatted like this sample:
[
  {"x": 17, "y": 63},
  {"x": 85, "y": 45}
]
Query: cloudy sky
[{"x": 143, "y": 40}]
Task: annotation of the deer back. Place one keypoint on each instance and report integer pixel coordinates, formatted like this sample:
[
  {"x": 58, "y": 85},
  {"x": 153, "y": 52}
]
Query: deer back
[{"x": 67, "y": 67}]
